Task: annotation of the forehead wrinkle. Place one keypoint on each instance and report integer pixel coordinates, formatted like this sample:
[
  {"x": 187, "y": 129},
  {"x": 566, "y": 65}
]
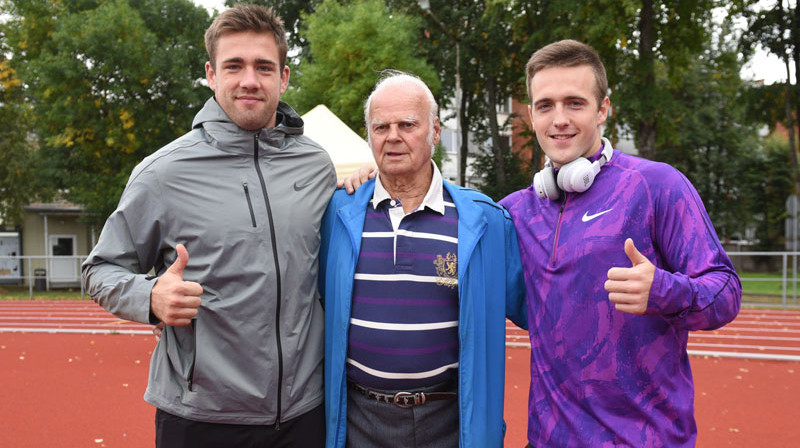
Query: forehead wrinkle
[{"x": 409, "y": 119}]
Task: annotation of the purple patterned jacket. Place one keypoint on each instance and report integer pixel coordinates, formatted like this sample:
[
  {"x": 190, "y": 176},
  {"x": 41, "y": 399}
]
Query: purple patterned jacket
[{"x": 600, "y": 377}]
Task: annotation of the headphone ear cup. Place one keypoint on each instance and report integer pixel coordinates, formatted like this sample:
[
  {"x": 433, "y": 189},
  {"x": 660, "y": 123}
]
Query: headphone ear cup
[
  {"x": 576, "y": 176},
  {"x": 544, "y": 182}
]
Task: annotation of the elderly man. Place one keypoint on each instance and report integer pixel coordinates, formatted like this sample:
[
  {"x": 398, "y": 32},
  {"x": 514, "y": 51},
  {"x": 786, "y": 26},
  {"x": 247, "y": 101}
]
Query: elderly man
[{"x": 417, "y": 277}]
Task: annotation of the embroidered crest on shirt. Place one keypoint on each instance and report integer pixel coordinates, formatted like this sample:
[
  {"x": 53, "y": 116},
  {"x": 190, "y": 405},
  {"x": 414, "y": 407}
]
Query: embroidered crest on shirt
[{"x": 447, "y": 270}]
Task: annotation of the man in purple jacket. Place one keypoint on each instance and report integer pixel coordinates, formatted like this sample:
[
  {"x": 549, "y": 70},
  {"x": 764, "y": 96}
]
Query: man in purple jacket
[{"x": 617, "y": 274}]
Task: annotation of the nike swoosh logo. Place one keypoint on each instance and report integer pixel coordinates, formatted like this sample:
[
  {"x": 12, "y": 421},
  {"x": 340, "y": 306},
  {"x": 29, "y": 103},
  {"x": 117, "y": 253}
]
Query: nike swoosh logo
[
  {"x": 587, "y": 217},
  {"x": 298, "y": 187}
]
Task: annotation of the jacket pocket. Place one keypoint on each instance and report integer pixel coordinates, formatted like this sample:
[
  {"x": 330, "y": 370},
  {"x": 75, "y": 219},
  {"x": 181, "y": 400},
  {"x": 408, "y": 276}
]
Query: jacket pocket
[
  {"x": 182, "y": 351},
  {"x": 249, "y": 204}
]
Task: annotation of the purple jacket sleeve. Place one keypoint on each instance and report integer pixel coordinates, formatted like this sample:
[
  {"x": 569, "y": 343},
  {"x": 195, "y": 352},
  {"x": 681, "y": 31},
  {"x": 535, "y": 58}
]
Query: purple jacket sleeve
[{"x": 695, "y": 284}]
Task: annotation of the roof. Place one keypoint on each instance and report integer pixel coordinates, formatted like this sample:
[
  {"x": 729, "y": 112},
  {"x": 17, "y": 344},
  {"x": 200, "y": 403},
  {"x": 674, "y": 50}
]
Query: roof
[
  {"x": 347, "y": 150},
  {"x": 60, "y": 207}
]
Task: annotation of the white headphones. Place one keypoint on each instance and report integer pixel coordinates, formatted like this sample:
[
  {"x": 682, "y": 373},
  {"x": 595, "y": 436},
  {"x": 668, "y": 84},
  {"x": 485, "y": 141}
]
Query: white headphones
[{"x": 574, "y": 177}]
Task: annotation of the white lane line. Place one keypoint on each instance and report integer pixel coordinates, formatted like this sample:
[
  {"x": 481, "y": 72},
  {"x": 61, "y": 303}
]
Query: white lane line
[
  {"x": 757, "y": 330},
  {"x": 121, "y": 324},
  {"x": 742, "y": 346},
  {"x": 73, "y": 330},
  {"x": 737, "y": 336},
  {"x": 742, "y": 355},
  {"x": 107, "y": 318}
]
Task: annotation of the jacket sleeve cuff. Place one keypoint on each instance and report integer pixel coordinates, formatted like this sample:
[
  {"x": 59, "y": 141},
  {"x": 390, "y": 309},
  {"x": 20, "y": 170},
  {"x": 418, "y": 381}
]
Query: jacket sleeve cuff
[
  {"x": 670, "y": 293},
  {"x": 134, "y": 300}
]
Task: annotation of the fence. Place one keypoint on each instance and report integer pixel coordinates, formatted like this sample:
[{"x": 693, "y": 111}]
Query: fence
[
  {"x": 768, "y": 268},
  {"x": 41, "y": 272},
  {"x": 777, "y": 270}
]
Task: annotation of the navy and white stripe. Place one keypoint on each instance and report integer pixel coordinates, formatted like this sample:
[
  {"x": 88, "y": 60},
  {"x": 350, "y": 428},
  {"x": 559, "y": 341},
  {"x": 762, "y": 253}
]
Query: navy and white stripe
[{"x": 404, "y": 317}]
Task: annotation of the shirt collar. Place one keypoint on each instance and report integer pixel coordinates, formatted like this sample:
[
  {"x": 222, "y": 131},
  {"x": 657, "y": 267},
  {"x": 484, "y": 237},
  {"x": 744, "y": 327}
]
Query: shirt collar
[{"x": 434, "y": 199}]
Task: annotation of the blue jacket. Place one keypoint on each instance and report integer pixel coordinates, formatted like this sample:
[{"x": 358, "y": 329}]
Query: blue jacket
[{"x": 490, "y": 287}]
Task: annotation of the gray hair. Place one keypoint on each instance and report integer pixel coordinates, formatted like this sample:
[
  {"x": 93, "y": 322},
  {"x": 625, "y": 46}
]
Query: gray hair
[{"x": 396, "y": 78}]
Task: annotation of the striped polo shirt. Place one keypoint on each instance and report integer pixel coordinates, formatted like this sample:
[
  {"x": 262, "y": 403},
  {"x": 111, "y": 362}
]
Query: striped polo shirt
[{"x": 404, "y": 316}]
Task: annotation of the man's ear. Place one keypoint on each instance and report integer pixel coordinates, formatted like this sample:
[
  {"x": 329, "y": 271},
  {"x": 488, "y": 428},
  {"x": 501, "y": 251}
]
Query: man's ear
[
  {"x": 602, "y": 113},
  {"x": 211, "y": 76},
  {"x": 285, "y": 78}
]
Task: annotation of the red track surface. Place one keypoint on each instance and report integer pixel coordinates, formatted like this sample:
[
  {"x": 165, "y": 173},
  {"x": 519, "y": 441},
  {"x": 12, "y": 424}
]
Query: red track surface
[{"x": 74, "y": 378}]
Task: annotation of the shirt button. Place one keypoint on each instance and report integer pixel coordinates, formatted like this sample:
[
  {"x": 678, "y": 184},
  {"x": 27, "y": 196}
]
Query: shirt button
[{"x": 392, "y": 203}]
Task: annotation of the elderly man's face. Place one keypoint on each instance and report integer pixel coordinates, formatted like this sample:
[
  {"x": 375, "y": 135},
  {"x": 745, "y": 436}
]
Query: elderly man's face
[{"x": 400, "y": 133}]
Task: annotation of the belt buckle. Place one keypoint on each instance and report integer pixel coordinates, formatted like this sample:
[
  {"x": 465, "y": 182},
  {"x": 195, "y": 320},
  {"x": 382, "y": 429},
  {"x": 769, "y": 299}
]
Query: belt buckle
[{"x": 418, "y": 398}]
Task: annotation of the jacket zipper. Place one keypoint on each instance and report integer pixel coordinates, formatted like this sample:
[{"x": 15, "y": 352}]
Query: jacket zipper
[
  {"x": 194, "y": 356},
  {"x": 558, "y": 230},
  {"x": 249, "y": 204},
  {"x": 277, "y": 280}
]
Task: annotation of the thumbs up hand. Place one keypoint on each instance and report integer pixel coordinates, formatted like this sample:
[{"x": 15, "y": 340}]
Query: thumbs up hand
[
  {"x": 629, "y": 288},
  {"x": 172, "y": 300}
]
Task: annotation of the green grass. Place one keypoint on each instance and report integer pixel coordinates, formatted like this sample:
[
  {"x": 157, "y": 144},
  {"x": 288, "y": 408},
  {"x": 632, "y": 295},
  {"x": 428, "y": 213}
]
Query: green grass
[
  {"x": 754, "y": 288},
  {"x": 757, "y": 283},
  {"x": 15, "y": 292}
]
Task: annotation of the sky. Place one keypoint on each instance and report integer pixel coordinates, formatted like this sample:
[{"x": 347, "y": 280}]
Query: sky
[{"x": 763, "y": 66}]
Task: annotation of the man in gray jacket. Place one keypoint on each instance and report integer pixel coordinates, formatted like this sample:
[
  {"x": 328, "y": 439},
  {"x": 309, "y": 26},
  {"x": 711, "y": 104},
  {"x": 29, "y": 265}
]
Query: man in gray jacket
[{"x": 227, "y": 217}]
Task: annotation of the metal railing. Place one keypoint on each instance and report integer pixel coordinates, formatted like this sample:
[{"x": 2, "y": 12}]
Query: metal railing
[
  {"x": 783, "y": 264},
  {"x": 37, "y": 271}
]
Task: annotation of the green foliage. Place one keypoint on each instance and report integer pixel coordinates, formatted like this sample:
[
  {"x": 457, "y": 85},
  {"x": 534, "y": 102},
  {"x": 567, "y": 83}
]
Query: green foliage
[
  {"x": 292, "y": 12},
  {"x": 766, "y": 103},
  {"x": 766, "y": 28},
  {"x": 18, "y": 155},
  {"x": 109, "y": 83},
  {"x": 439, "y": 155},
  {"x": 706, "y": 136},
  {"x": 349, "y": 44},
  {"x": 517, "y": 175},
  {"x": 768, "y": 180}
]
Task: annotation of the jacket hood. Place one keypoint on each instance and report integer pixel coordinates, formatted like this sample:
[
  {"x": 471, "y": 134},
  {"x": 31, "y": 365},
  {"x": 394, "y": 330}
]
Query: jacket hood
[{"x": 228, "y": 136}]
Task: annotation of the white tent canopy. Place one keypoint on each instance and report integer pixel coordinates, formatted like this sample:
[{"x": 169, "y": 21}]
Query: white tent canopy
[{"x": 347, "y": 150}]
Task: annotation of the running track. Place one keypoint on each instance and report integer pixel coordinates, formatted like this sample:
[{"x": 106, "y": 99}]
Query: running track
[
  {"x": 755, "y": 334},
  {"x": 84, "y": 387}
]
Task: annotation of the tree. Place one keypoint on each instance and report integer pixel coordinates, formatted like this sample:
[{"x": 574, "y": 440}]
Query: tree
[
  {"x": 18, "y": 158},
  {"x": 711, "y": 139},
  {"x": 777, "y": 29},
  {"x": 473, "y": 40},
  {"x": 292, "y": 13},
  {"x": 349, "y": 44},
  {"x": 109, "y": 82},
  {"x": 769, "y": 182}
]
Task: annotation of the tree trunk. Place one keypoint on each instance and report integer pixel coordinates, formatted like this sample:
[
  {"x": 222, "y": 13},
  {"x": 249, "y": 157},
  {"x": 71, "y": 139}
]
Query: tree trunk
[
  {"x": 788, "y": 110},
  {"x": 646, "y": 132},
  {"x": 790, "y": 128},
  {"x": 795, "y": 36},
  {"x": 498, "y": 149},
  {"x": 464, "y": 152}
]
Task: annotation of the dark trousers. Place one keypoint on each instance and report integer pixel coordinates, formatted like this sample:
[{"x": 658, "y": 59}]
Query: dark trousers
[
  {"x": 307, "y": 430},
  {"x": 376, "y": 424}
]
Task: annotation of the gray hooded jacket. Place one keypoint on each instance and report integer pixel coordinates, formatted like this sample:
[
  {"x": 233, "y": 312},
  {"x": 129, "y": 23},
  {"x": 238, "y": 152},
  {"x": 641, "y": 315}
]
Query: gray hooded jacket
[{"x": 248, "y": 207}]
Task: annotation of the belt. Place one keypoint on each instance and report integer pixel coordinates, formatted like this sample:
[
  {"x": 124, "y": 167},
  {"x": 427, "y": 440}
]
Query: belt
[{"x": 404, "y": 399}]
